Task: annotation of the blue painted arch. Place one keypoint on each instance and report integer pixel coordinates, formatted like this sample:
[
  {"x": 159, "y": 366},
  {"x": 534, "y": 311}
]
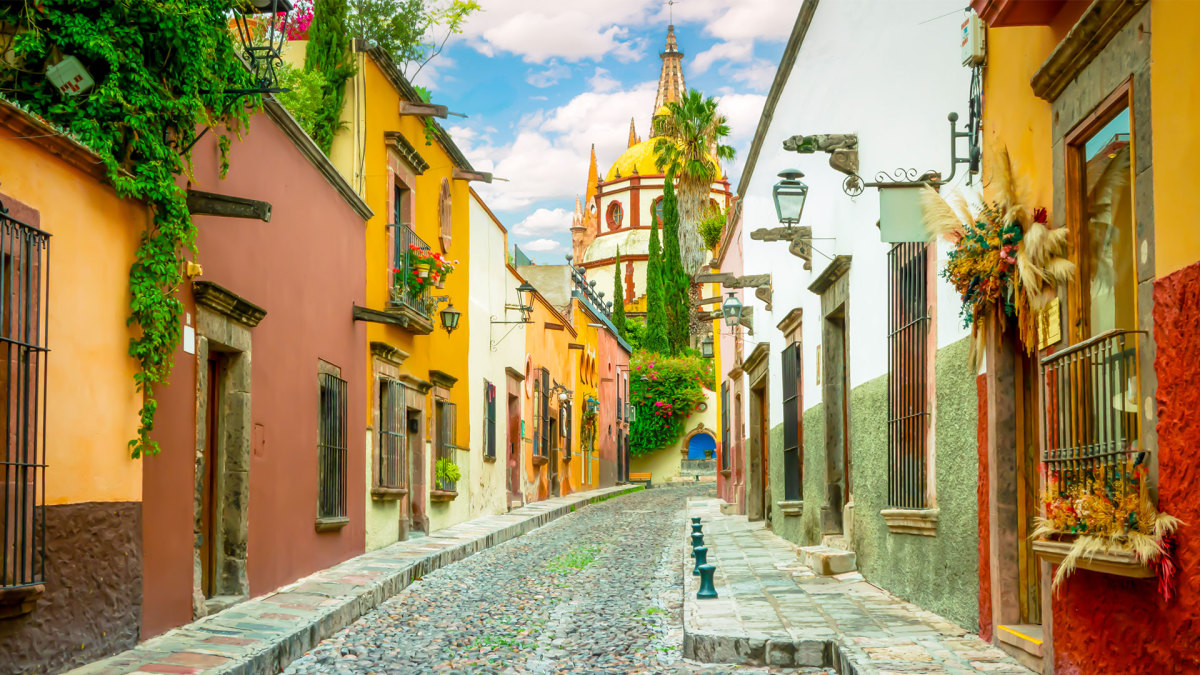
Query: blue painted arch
[{"x": 701, "y": 446}]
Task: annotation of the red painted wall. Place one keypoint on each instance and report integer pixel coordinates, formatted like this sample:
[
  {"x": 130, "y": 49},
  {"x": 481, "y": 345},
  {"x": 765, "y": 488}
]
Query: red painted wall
[
  {"x": 612, "y": 365},
  {"x": 1106, "y": 624},
  {"x": 305, "y": 267},
  {"x": 985, "y": 533}
]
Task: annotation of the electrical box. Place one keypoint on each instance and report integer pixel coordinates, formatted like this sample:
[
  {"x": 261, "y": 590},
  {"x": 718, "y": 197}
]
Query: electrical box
[{"x": 974, "y": 41}]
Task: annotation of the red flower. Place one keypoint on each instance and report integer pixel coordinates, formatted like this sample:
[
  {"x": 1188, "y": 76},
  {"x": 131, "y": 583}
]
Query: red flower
[{"x": 1039, "y": 215}]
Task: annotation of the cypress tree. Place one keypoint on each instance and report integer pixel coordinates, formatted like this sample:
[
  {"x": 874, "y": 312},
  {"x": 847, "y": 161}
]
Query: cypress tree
[
  {"x": 675, "y": 282},
  {"x": 618, "y": 314},
  {"x": 328, "y": 53},
  {"x": 656, "y": 320}
]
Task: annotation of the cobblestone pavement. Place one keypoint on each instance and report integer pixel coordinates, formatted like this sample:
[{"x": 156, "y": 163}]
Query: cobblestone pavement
[{"x": 598, "y": 591}]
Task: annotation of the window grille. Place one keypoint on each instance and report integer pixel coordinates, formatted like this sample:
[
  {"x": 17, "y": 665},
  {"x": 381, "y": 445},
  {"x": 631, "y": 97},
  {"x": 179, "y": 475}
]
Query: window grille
[
  {"x": 404, "y": 269},
  {"x": 489, "y": 419},
  {"x": 392, "y": 437},
  {"x": 331, "y": 447},
  {"x": 24, "y": 253},
  {"x": 725, "y": 449},
  {"x": 537, "y": 414},
  {"x": 793, "y": 456},
  {"x": 908, "y": 417},
  {"x": 545, "y": 414},
  {"x": 447, "y": 414}
]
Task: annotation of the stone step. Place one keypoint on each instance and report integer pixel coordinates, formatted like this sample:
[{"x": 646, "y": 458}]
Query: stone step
[{"x": 827, "y": 561}]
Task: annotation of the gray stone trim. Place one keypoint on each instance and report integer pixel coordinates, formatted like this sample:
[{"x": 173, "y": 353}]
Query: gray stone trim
[
  {"x": 1085, "y": 41},
  {"x": 226, "y": 302},
  {"x": 791, "y": 508},
  {"x": 911, "y": 521},
  {"x": 836, "y": 269},
  {"x": 407, "y": 151},
  {"x": 386, "y": 352},
  {"x": 442, "y": 379}
]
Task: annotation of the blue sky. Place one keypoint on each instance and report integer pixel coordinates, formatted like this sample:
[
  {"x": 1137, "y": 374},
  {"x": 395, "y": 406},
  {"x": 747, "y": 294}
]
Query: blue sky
[{"x": 542, "y": 80}]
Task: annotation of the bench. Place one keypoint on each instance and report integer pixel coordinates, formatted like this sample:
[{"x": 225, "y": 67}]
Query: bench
[{"x": 643, "y": 478}]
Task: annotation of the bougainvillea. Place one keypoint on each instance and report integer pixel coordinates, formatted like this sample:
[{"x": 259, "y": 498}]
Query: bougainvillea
[{"x": 665, "y": 391}]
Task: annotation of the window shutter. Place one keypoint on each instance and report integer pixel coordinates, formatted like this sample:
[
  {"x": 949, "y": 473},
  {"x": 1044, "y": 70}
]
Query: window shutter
[{"x": 545, "y": 411}]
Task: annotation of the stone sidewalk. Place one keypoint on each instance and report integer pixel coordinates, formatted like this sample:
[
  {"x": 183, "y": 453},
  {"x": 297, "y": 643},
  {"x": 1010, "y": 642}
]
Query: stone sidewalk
[
  {"x": 264, "y": 634},
  {"x": 772, "y": 610}
]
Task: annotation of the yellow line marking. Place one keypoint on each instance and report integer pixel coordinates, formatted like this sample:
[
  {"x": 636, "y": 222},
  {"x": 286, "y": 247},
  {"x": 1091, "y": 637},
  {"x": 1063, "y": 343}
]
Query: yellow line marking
[{"x": 1021, "y": 635}]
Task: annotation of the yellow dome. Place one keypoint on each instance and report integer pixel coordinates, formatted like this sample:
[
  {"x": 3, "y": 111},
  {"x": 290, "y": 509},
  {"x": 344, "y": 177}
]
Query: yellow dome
[
  {"x": 640, "y": 156},
  {"x": 662, "y": 112}
]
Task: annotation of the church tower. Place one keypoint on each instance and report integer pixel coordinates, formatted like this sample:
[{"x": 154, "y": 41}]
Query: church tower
[{"x": 670, "y": 80}]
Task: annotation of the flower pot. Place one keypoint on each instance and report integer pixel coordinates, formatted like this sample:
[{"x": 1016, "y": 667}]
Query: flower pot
[
  {"x": 440, "y": 283},
  {"x": 422, "y": 270}
]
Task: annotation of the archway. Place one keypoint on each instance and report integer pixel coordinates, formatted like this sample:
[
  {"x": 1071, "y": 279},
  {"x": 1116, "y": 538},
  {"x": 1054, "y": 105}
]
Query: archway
[{"x": 701, "y": 445}]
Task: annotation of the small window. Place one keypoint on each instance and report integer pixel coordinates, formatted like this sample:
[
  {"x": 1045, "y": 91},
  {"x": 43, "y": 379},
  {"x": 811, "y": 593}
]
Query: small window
[
  {"x": 390, "y": 472},
  {"x": 793, "y": 453},
  {"x": 446, "y": 414},
  {"x": 489, "y": 419},
  {"x": 616, "y": 214},
  {"x": 445, "y": 214},
  {"x": 565, "y": 416},
  {"x": 331, "y": 445},
  {"x": 547, "y": 430},
  {"x": 658, "y": 211}
]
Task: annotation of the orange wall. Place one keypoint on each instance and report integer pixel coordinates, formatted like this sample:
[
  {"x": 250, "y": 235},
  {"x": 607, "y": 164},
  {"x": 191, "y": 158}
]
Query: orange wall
[
  {"x": 547, "y": 349},
  {"x": 92, "y": 407},
  {"x": 1174, "y": 100}
]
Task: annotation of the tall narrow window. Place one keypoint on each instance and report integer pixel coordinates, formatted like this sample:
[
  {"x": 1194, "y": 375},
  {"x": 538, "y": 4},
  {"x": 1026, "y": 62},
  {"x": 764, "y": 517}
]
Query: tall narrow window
[
  {"x": 446, "y": 418},
  {"x": 23, "y": 304},
  {"x": 725, "y": 449},
  {"x": 565, "y": 415},
  {"x": 793, "y": 457},
  {"x": 489, "y": 419},
  {"x": 547, "y": 431},
  {"x": 331, "y": 446},
  {"x": 390, "y": 470},
  {"x": 908, "y": 414},
  {"x": 537, "y": 413}
]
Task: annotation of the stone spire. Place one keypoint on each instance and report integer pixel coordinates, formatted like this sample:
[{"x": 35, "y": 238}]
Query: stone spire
[
  {"x": 593, "y": 179},
  {"x": 670, "y": 81},
  {"x": 633, "y": 137}
]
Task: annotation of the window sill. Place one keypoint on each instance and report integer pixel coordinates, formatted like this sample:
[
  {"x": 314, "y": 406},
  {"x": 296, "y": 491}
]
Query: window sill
[
  {"x": 386, "y": 494},
  {"x": 726, "y": 472},
  {"x": 331, "y": 524},
  {"x": 1106, "y": 561},
  {"x": 19, "y": 600},
  {"x": 418, "y": 323},
  {"x": 489, "y": 458},
  {"x": 921, "y": 522},
  {"x": 539, "y": 460},
  {"x": 791, "y": 508},
  {"x": 443, "y": 495}
]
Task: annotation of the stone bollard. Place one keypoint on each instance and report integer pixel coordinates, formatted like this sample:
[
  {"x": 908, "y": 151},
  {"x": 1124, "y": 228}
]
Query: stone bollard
[
  {"x": 700, "y": 553},
  {"x": 707, "y": 590},
  {"x": 695, "y": 520},
  {"x": 697, "y": 540}
]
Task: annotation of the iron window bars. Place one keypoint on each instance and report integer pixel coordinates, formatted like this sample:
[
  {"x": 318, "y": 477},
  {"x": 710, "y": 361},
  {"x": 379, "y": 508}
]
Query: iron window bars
[
  {"x": 447, "y": 428},
  {"x": 544, "y": 414},
  {"x": 24, "y": 275},
  {"x": 331, "y": 446},
  {"x": 489, "y": 419},
  {"x": 405, "y": 268},
  {"x": 565, "y": 420},
  {"x": 908, "y": 417},
  {"x": 1092, "y": 426},
  {"x": 392, "y": 434},
  {"x": 793, "y": 457}
]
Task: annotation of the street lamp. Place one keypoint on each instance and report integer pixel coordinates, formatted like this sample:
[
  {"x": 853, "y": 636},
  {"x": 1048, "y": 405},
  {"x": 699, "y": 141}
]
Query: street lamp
[
  {"x": 262, "y": 55},
  {"x": 731, "y": 309},
  {"x": 706, "y": 347},
  {"x": 630, "y": 412},
  {"x": 789, "y": 197},
  {"x": 450, "y": 318}
]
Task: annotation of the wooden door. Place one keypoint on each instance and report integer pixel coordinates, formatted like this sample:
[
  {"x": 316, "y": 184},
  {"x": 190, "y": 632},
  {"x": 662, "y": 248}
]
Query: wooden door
[
  {"x": 208, "y": 481},
  {"x": 1028, "y": 583},
  {"x": 514, "y": 448},
  {"x": 552, "y": 442},
  {"x": 416, "y": 470},
  {"x": 764, "y": 447}
]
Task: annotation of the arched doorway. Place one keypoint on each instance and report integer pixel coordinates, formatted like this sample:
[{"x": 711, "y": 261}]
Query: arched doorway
[{"x": 701, "y": 446}]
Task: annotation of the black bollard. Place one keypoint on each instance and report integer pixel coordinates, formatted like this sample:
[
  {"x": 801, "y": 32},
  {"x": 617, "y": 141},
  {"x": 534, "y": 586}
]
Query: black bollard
[
  {"x": 697, "y": 540},
  {"x": 697, "y": 528},
  {"x": 706, "y": 582},
  {"x": 701, "y": 555},
  {"x": 695, "y": 520}
]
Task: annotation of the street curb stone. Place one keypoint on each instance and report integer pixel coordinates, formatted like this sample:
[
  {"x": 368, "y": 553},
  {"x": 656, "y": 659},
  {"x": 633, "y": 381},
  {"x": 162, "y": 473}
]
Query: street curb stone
[{"x": 275, "y": 629}]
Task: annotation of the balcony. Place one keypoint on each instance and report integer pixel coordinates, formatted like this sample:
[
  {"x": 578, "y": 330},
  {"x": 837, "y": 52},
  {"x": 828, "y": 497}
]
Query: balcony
[
  {"x": 405, "y": 300},
  {"x": 1097, "y": 472}
]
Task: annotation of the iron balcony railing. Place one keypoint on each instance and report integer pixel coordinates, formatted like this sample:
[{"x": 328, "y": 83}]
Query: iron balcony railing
[
  {"x": 24, "y": 271},
  {"x": 406, "y": 272},
  {"x": 1091, "y": 430}
]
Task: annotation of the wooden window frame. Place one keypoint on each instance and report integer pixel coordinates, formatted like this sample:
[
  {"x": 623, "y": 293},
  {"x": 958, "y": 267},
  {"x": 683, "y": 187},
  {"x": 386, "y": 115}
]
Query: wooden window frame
[{"x": 793, "y": 434}]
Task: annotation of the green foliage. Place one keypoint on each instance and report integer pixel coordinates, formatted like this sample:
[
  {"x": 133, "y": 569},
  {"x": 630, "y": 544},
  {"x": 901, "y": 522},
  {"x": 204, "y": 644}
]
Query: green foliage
[
  {"x": 712, "y": 227},
  {"x": 159, "y": 67},
  {"x": 635, "y": 333},
  {"x": 446, "y": 472},
  {"x": 412, "y": 32},
  {"x": 575, "y": 559},
  {"x": 618, "y": 315},
  {"x": 676, "y": 285},
  {"x": 655, "y": 339},
  {"x": 328, "y": 53},
  {"x": 666, "y": 391},
  {"x": 305, "y": 97}
]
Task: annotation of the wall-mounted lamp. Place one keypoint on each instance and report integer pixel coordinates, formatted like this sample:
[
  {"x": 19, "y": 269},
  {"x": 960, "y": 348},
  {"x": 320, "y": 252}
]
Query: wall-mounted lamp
[
  {"x": 262, "y": 55},
  {"x": 731, "y": 309},
  {"x": 706, "y": 347},
  {"x": 790, "y": 194}
]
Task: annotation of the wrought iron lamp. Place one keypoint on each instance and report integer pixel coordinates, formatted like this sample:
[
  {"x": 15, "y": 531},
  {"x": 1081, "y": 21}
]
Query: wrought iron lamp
[
  {"x": 790, "y": 194},
  {"x": 706, "y": 347},
  {"x": 631, "y": 412},
  {"x": 450, "y": 317},
  {"x": 731, "y": 309},
  {"x": 262, "y": 56}
]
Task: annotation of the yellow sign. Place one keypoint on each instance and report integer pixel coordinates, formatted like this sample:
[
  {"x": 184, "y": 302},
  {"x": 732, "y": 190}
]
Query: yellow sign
[{"x": 1049, "y": 325}]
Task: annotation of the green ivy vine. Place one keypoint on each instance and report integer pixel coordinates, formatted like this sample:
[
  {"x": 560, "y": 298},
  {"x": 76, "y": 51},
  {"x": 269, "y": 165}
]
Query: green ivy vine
[
  {"x": 160, "y": 70},
  {"x": 666, "y": 391}
]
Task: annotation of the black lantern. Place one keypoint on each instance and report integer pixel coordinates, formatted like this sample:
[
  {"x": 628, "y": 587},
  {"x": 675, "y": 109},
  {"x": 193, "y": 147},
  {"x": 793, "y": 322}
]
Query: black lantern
[
  {"x": 525, "y": 297},
  {"x": 262, "y": 52},
  {"x": 631, "y": 412},
  {"x": 732, "y": 310},
  {"x": 706, "y": 347},
  {"x": 789, "y": 197},
  {"x": 450, "y": 318}
]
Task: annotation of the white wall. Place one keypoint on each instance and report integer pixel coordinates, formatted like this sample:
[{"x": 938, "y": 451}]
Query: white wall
[
  {"x": 887, "y": 71},
  {"x": 492, "y": 287}
]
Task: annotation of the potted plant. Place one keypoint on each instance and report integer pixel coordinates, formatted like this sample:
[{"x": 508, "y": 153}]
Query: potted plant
[{"x": 447, "y": 474}]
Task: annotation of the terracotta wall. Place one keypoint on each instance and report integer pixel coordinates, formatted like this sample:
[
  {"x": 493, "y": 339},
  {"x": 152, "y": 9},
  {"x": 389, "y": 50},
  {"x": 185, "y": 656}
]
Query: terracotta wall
[
  {"x": 305, "y": 269},
  {"x": 547, "y": 348}
]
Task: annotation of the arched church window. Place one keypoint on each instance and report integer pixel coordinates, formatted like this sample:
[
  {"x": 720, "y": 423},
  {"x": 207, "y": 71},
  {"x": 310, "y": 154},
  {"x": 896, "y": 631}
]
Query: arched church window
[
  {"x": 616, "y": 213},
  {"x": 658, "y": 211}
]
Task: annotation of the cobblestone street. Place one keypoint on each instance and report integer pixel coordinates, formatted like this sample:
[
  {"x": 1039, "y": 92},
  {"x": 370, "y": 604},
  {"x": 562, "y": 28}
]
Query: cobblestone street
[{"x": 595, "y": 592}]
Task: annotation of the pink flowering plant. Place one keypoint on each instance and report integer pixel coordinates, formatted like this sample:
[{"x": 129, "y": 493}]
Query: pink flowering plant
[
  {"x": 300, "y": 20},
  {"x": 422, "y": 269},
  {"x": 665, "y": 391}
]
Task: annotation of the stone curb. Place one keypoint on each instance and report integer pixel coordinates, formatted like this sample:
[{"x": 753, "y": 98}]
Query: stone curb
[{"x": 246, "y": 640}]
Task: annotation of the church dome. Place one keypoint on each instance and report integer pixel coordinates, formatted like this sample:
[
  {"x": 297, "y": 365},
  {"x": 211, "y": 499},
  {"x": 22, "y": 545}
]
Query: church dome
[{"x": 639, "y": 156}]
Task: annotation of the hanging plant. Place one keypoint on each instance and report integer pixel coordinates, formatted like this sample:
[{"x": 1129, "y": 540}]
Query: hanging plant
[{"x": 160, "y": 70}]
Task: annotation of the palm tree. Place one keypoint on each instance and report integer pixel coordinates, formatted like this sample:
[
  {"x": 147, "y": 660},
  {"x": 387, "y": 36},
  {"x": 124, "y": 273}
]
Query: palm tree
[{"x": 688, "y": 148}]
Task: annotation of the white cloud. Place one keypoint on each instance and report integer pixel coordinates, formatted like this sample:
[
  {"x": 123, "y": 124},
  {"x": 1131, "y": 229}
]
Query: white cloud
[
  {"x": 722, "y": 51},
  {"x": 735, "y": 20},
  {"x": 538, "y": 30},
  {"x": 433, "y": 74},
  {"x": 756, "y": 75},
  {"x": 550, "y": 76},
  {"x": 544, "y": 221},
  {"x": 601, "y": 81},
  {"x": 541, "y": 245}
]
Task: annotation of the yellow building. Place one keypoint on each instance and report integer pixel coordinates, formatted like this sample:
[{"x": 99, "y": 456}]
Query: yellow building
[{"x": 407, "y": 168}]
